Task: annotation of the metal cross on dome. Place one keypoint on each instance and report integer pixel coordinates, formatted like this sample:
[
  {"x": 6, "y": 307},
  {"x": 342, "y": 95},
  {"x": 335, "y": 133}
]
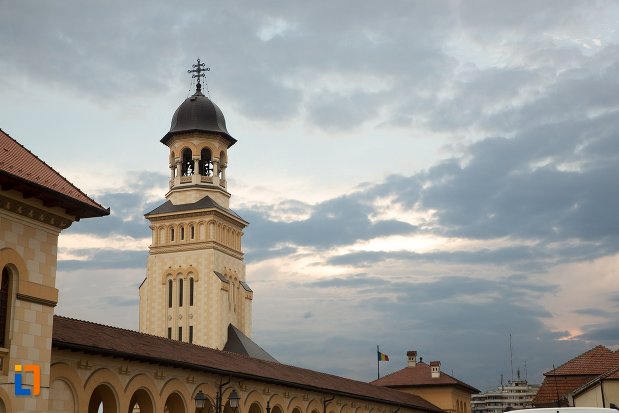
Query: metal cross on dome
[{"x": 197, "y": 70}]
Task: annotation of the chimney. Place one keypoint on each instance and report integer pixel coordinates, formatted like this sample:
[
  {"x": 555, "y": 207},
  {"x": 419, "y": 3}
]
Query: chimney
[
  {"x": 412, "y": 358},
  {"x": 435, "y": 368}
]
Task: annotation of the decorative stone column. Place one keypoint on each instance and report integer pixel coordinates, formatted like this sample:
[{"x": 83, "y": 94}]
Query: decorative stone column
[
  {"x": 216, "y": 171},
  {"x": 223, "y": 175}
]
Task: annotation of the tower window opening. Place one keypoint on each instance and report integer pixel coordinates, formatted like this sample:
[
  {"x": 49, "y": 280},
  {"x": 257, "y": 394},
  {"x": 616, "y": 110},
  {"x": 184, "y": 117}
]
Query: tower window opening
[
  {"x": 169, "y": 293},
  {"x": 190, "y": 334},
  {"x": 170, "y": 333},
  {"x": 193, "y": 232},
  {"x": 191, "y": 291},
  {"x": 182, "y": 233},
  {"x": 4, "y": 305},
  {"x": 180, "y": 292},
  {"x": 171, "y": 234},
  {"x": 206, "y": 162},
  {"x": 187, "y": 163},
  {"x": 180, "y": 334}
]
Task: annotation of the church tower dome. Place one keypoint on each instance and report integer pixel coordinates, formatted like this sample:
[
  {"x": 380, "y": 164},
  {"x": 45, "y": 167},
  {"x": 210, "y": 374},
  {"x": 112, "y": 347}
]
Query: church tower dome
[
  {"x": 198, "y": 141},
  {"x": 198, "y": 113}
]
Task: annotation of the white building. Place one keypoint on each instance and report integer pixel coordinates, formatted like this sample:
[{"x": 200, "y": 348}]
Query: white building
[{"x": 517, "y": 394}]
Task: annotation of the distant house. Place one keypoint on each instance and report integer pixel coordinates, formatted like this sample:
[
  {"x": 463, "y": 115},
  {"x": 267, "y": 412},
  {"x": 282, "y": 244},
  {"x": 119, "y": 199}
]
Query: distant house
[
  {"x": 589, "y": 379},
  {"x": 429, "y": 382}
]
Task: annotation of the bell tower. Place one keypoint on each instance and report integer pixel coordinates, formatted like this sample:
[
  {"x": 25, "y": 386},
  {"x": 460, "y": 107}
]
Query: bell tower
[{"x": 195, "y": 285}]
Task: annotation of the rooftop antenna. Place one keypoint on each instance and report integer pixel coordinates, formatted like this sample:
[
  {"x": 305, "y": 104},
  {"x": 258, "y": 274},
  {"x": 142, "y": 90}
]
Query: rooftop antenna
[
  {"x": 511, "y": 358},
  {"x": 525, "y": 371},
  {"x": 197, "y": 73}
]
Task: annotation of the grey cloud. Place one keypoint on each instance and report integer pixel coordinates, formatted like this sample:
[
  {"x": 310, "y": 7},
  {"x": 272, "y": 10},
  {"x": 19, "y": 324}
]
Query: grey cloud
[
  {"x": 606, "y": 333},
  {"x": 517, "y": 255},
  {"x": 105, "y": 258},
  {"x": 120, "y": 301},
  {"x": 127, "y": 208},
  {"x": 338, "y": 221},
  {"x": 253, "y": 254},
  {"x": 352, "y": 281},
  {"x": 594, "y": 312}
]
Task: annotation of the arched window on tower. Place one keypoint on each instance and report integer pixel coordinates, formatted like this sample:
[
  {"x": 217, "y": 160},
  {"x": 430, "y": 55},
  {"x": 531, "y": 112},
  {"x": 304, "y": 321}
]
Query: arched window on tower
[
  {"x": 206, "y": 162},
  {"x": 191, "y": 291},
  {"x": 4, "y": 305},
  {"x": 169, "y": 293},
  {"x": 180, "y": 292},
  {"x": 187, "y": 163}
]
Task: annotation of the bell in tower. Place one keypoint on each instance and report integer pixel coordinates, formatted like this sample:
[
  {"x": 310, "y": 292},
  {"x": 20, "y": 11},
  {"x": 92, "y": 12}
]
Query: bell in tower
[{"x": 195, "y": 289}]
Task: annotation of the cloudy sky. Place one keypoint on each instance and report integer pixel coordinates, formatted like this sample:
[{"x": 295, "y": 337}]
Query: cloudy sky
[{"x": 423, "y": 175}]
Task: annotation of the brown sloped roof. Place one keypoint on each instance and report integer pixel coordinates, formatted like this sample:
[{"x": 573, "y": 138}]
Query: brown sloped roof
[
  {"x": 205, "y": 203},
  {"x": 596, "y": 361},
  {"x": 112, "y": 341},
  {"x": 420, "y": 375},
  {"x": 557, "y": 385},
  {"x": 23, "y": 171},
  {"x": 574, "y": 374}
]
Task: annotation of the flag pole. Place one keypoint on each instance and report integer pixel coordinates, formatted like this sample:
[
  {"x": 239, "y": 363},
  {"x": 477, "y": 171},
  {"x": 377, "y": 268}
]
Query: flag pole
[{"x": 377, "y": 363}]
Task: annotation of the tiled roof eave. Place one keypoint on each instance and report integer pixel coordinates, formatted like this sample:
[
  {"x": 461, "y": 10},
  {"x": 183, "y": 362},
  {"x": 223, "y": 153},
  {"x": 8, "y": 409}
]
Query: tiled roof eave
[
  {"x": 174, "y": 363},
  {"x": 166, "y": 138},
  {"x": 51, "y": 198},
  {"x": 194, "y": 211},
  {"x": 466, "y": 387}
]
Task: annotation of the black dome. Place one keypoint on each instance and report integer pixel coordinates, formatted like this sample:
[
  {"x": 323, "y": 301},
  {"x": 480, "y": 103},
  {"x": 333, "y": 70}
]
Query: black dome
[{"x": 198, "y": 113}]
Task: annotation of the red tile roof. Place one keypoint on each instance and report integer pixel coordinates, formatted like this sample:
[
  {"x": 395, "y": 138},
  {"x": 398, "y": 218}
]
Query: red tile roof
[
  {"x": 596, "y": 361},
  {"x": 91, "y": 337},
  {"x": 420, "y": 375},
  {"x": 23, "y": 171},
  {"x": 574, "y": 374},
  {"x": 557, "y": 387}
]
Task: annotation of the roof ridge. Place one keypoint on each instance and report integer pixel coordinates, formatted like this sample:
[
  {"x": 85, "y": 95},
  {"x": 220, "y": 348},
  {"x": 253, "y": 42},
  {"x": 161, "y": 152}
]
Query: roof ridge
[
  {"x": 131, "y": 331},
  {"x": 579, "y": 357},
  {"x": 52, "y": 169}
]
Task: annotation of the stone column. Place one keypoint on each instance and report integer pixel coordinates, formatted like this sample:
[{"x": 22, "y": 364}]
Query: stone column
[{"x": 216, "y": 171}]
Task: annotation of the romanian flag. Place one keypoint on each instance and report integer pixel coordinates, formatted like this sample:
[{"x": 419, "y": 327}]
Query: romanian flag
[{"x": 382, "y": 356}]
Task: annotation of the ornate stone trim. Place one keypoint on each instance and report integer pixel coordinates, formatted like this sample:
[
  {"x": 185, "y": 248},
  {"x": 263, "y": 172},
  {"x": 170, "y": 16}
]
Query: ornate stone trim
[
  {"x": 196, "y": 246},
  {"x": 36, "y": 300},
  {"x": 28, "y": 211}
]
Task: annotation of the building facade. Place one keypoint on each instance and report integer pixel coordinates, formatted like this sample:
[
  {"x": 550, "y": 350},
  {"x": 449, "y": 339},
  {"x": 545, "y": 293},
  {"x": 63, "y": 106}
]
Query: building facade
[
  {"x": 36, "y": 204},
  {"x": 430, "y": 383},
  {"x": 517, "y": 394}
]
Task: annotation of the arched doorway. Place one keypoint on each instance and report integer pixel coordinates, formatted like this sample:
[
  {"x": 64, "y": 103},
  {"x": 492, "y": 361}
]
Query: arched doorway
[
  {"x": 103, "y": 400},
  {"x": 174, "y": 404},
  {"x": 141, "y": 402}
]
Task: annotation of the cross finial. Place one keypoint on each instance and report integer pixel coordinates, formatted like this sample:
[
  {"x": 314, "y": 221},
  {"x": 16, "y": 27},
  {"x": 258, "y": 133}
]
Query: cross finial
[{"x": 196, "y": 71}]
